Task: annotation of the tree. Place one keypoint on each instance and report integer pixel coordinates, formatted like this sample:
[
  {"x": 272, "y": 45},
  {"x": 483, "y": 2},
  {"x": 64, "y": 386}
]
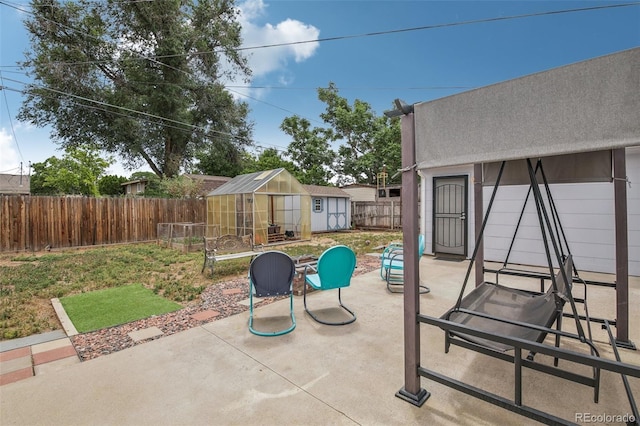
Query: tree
[
  {"x": 143, "y": 176},
  {"x": 77, "y": 172},
  {"x": 269, "y": 159},
  {"x": 222, "y": 159},
  {"x": 182, "y": 187},
  {"x": 142, "y": 80},
  {"x": 371, "y": 143},
  {"x": 111, "y": 185},
  {"x": 310, "y": 151}
]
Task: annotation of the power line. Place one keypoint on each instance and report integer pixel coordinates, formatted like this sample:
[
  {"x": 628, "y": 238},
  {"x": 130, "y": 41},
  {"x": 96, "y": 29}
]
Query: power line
[
  {"x": 107, "y": 105},
  {"x": 11, "y": 170},
  {"x": 357, "y": 88},
  {"x": 6, "y": 102},
  {"x": 252, "y": 141},
  {"x": 444, "y": 25},
  {"x": 335, "y": 38},
  {"x": 283, "y": 88}
]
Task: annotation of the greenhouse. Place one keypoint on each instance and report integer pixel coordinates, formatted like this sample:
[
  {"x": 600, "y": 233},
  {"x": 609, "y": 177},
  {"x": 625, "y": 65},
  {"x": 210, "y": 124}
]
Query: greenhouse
[{"x": 272, "y": 206}]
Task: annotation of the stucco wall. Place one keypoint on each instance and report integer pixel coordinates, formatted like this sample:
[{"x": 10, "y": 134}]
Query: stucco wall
[{"x": 587, "y": 106}]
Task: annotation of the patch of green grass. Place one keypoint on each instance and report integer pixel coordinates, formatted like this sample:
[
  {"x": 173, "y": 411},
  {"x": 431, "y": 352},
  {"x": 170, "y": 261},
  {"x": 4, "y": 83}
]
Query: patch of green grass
[{"x": 114, "y": 306}]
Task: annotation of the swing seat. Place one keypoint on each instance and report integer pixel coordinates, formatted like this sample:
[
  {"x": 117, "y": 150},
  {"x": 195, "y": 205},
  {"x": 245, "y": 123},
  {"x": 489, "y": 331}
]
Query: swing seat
[{"x": 501, "y": 307}]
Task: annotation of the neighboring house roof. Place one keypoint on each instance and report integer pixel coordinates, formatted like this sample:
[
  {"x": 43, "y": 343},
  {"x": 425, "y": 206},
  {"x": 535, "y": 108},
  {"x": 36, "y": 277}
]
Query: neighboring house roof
[
  {"x": 133, "y": 182},
  {"x": 209, "y": 183},
  {"x": 359, "y": 185},
  {"x": 249, "y": 183},
  {"x": 14, "y": 184},
  {"x": 325, "y": 191}
]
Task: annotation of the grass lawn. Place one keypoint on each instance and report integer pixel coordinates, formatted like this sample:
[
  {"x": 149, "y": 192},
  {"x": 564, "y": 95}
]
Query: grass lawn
[
  {"x": 28, "y": 281},
  {"x": 114, "y": 306}
]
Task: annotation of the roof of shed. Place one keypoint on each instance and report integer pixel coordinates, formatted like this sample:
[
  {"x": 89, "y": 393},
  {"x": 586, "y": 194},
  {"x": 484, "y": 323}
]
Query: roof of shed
[{"x": 325, "y": 191}]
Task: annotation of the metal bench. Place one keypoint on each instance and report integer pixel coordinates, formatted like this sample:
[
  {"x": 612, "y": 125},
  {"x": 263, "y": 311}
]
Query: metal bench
[{"x": 226, "y": 247}]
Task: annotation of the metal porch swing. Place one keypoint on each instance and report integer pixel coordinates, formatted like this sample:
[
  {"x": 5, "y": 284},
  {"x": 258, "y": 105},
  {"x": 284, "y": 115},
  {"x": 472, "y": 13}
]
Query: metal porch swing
[{"x": 507, "y": 323}]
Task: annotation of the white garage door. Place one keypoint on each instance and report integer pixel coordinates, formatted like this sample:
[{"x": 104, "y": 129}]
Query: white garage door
[{"x": 587, "y": 214}]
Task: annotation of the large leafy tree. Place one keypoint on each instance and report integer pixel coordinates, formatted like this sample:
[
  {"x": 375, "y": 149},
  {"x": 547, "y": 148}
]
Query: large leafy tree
[
  {"x": 269, "y": 159},
  {"x": 310, "y": 150},
  {"x": 142, "y": 80},
  {"x": 111, "y": 185},
  {"x": 77, "y": 173},
  {"x": 182, "y": 187},
  {"x": 221, "y": 159},
  {"x": 370, "y": 143}
]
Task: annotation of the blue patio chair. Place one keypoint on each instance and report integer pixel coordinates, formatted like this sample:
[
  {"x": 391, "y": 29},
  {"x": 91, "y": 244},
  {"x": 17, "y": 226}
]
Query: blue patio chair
[
  {"x": 392, "y": 266},
  {"x": 271, "y": 275},
  {"x": 334, "y": 270}
]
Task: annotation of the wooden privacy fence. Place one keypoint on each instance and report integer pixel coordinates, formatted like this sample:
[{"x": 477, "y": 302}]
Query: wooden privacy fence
[
  {"x": 376, "y": 214},
  {"x": 36, "y": 223}
]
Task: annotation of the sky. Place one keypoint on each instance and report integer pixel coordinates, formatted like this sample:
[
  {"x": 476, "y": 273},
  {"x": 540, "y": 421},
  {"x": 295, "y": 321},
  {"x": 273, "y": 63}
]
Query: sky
[{"x": 374, "y": 51}]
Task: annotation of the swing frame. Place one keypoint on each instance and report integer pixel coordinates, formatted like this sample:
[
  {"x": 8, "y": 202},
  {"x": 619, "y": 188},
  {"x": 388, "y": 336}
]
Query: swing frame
[
  {"x": 525, "y": 350},
  {"x": 582, "y": 107}
]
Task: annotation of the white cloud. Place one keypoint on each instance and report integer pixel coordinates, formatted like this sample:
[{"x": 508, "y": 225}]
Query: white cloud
[
  {"x": 9, "y": 162},
  {"x": 265, "y": 61}
]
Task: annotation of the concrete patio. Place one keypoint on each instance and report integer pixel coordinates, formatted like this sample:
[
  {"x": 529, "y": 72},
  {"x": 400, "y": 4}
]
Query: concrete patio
[{"x": 220, "y": 373}]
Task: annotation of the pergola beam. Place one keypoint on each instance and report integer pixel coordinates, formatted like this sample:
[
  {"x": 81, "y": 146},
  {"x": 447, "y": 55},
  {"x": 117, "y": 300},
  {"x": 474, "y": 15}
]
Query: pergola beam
[{"x": 411, "y": 391}]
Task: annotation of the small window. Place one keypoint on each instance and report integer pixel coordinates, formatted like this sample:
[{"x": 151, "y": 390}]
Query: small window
[
  {"x": 394, "y": 192},
  {"x": 317, "y": 205},
  {"x": 139, "y": 187}
]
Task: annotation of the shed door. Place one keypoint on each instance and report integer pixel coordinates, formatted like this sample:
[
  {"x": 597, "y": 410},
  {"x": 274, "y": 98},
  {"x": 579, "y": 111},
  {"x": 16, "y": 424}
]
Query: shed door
[
  {"x": 336, "y": 213},
  {"x": 450, "y": 214}
]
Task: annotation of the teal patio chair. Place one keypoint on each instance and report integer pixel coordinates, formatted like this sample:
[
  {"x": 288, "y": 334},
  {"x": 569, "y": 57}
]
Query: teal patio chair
[
  {"x": 334, "y": 270},
  {"x": 392, "y": 266},
  {"x": 271, "y": 275}
]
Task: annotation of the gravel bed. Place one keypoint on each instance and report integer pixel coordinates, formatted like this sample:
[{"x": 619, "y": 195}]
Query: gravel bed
[{"x": 222, "y": 298}]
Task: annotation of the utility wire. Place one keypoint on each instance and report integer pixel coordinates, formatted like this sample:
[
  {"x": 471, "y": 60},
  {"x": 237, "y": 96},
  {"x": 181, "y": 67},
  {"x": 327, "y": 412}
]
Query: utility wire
[
  {"x": 335, "y": 38},
  {"x": 254, "y": 142},
  {"x": 6, "y": 102},
  {"x": 284, "y": 88},
  {"x": 105, "y": 104},
  {"x": 444, "y": 25},
  {"x": 10, "y": 170},
  {"x": 369, "y": 34}
]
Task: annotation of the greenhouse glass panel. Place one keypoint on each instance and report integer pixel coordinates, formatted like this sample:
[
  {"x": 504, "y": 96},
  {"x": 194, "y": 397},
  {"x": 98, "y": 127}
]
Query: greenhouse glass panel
[
  {"x": 261, "y": 218},
  {"x": 305, "y": 219}
]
